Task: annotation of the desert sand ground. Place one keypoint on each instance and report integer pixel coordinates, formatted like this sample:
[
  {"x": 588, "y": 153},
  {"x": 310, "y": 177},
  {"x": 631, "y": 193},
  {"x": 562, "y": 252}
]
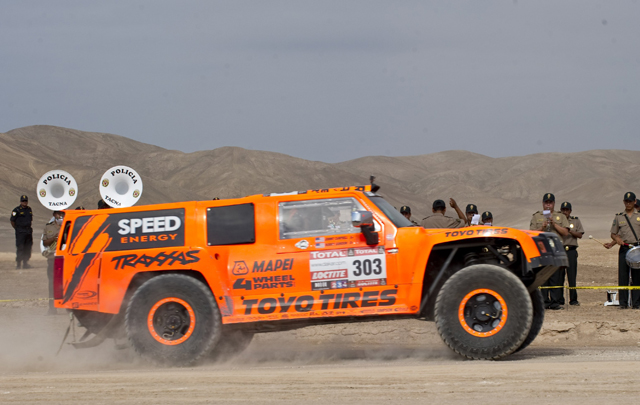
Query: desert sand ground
[{"x": 588, "y": 354}]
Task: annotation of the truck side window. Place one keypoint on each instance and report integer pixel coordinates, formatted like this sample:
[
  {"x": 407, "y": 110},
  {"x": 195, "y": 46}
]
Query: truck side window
[
  {"x": 65, "y": 235},
  {"x": 300, "y": 219},
  {"x": 231, "y": 225}
]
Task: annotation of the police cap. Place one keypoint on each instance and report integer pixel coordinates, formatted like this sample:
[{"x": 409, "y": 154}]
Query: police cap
[
  {"x": 629, "y": 196},
  {"x": 487, "y": 215},
  {"x": 439, "y": 204},
  {"x": 548, "y": 197},
  {"x": 405, "y": 209},
  {"x": 566, "y": 206},
  {"x": 24, "y": 198},
  {"x": 472, "y": 208}
]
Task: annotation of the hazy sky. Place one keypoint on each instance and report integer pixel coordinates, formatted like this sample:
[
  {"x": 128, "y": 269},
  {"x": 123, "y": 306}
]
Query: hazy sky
[{"x": 328, "y": 80}]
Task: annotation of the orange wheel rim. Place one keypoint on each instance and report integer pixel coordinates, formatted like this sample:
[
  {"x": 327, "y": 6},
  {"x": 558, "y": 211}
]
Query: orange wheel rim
[
  {"x": 167, "y": 320},
  {"x": 482, "y": 313}
]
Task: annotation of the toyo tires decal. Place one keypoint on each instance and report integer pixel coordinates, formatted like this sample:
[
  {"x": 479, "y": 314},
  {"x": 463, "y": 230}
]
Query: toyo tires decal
[
  {"x": 168, "y": 319},
  {"x": 482, "y": 313}
]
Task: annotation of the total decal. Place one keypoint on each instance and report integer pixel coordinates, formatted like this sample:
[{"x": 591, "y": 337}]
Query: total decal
[
  {"x": 348, "y": 268},
  {"x": 307, "y": 303},
  {"x": 133, "y": 230}
]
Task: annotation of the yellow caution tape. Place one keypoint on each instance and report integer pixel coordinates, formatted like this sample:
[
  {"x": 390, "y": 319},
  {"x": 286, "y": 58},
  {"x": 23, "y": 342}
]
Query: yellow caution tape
[
  {"x": 606, "y": 287},
  {"x": 27, "y": 299}
]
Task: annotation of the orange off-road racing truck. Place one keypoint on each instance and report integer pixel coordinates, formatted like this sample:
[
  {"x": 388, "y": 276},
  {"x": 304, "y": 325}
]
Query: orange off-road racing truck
[{"x": 189, "y": 280}]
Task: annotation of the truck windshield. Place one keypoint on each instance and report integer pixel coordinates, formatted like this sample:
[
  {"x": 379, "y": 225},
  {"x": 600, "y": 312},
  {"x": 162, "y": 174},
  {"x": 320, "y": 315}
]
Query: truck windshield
[{"x": 393, "y": 214}]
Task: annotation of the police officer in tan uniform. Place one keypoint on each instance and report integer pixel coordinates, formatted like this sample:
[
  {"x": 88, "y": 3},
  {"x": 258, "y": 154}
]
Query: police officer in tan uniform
[
  {"x": 552, "y": 221},
  {"x": 471, "y": 210},
  {"x": 50, "y": 242},
  {"x": 625, "y": 231},
  {"x": 406, "y": 211},
  {"x": 487, "y": 218},
  {"x": 570, "y": 243},
  {"x": 439, "y": 220}
]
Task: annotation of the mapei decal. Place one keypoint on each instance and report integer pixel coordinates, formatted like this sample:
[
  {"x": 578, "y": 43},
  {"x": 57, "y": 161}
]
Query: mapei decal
[
  {"x": 161, "y": 259},
  {"x": 306, "y": 303}
]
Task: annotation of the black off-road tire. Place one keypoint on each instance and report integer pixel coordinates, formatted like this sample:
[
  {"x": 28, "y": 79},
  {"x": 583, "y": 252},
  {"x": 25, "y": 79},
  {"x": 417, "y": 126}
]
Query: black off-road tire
[
  {"x": 173, "y": 319},
  {"x": 231, "y": 343},
  {"x": 483, "y": 312},
  {"x": 538, "y": 318}
]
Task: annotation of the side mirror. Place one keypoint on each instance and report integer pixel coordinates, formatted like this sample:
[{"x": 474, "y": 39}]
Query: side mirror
[
  {"x": 364, "y": 221},
  {"x": 361, "y": 218}
]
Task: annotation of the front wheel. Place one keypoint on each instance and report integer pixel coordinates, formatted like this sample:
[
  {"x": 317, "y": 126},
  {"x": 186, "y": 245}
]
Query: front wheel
[
  {"x": 173, "y": 319},
  {"x": 483, "y": 312},
  {"x": 538, "y": 318}
]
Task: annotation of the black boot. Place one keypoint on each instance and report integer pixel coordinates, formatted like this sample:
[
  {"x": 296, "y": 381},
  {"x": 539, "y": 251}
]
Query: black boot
[{"x": 17, "y": 264}]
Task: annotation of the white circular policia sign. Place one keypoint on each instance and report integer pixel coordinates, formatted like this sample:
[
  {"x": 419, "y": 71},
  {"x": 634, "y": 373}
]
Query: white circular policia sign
[
  {"x": 121, "y": 186},
  {"x": 57, "y": 190}
]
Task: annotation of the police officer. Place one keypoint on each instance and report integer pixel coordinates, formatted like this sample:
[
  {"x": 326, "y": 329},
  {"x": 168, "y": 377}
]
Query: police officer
[
  {"x": 570, "y": 243},
  {"x": 21, "y": 218},
  {"x": 487, "y": 218},
  {"x": 624, "y": 232},
  {"x": 50, "y": 242},
  {"x": 439, "y": 220},
  {"x": 549, "y": 220},
  {"x": 471, "y": 210},
  {"x": 406, "y": 211}
]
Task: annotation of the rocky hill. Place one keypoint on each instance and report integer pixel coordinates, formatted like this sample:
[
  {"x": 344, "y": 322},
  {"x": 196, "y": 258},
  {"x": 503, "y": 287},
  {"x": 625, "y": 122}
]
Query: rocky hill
[{"x": 594, "y": 181}]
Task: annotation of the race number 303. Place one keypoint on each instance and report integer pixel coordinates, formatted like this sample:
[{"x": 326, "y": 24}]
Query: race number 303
[{"x": 353, "y": 267}]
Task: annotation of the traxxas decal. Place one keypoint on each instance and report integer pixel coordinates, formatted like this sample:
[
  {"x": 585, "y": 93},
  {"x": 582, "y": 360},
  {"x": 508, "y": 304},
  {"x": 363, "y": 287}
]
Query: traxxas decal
[{"x": 161, "y": 259}]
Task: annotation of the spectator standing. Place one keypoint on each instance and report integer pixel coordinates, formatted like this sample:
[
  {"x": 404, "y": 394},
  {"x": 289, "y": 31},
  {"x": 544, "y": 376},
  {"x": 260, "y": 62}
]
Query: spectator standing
[
  {"x": 21, "y": 219},
  {"x": 549, "y": 220},
  {"x": 439, "y": 220},
  {"x": 406, "y": 211},
  {"x": 624, "y": 232},
  {"x": 570, "y": 243},
  {"x": 50, "y": 242}
]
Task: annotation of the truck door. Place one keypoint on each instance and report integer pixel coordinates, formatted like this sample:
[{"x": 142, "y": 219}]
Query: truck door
[{"x": 330, "y": 254}]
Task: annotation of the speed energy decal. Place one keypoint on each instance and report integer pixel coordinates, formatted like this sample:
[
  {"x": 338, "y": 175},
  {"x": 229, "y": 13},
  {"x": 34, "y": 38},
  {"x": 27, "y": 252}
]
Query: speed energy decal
[{"x": 348, "y": 268}]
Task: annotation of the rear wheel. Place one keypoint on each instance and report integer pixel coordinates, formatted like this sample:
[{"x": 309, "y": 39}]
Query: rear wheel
[
  {"x": 483, "y": 312},
  {"x": 538, "y": 318},
  {"x": 173, "y": 319}
]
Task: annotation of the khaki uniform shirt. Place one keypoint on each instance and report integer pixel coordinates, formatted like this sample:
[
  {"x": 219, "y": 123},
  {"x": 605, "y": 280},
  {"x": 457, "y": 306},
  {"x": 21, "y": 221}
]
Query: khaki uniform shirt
[
  {"x": 50, "y": 230},
  {"x": 621, "y": 228},
  {"x": 439, "y": 220},
  {"x": 538, "y": 219},
  {"x": 574, "y": 226}
]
